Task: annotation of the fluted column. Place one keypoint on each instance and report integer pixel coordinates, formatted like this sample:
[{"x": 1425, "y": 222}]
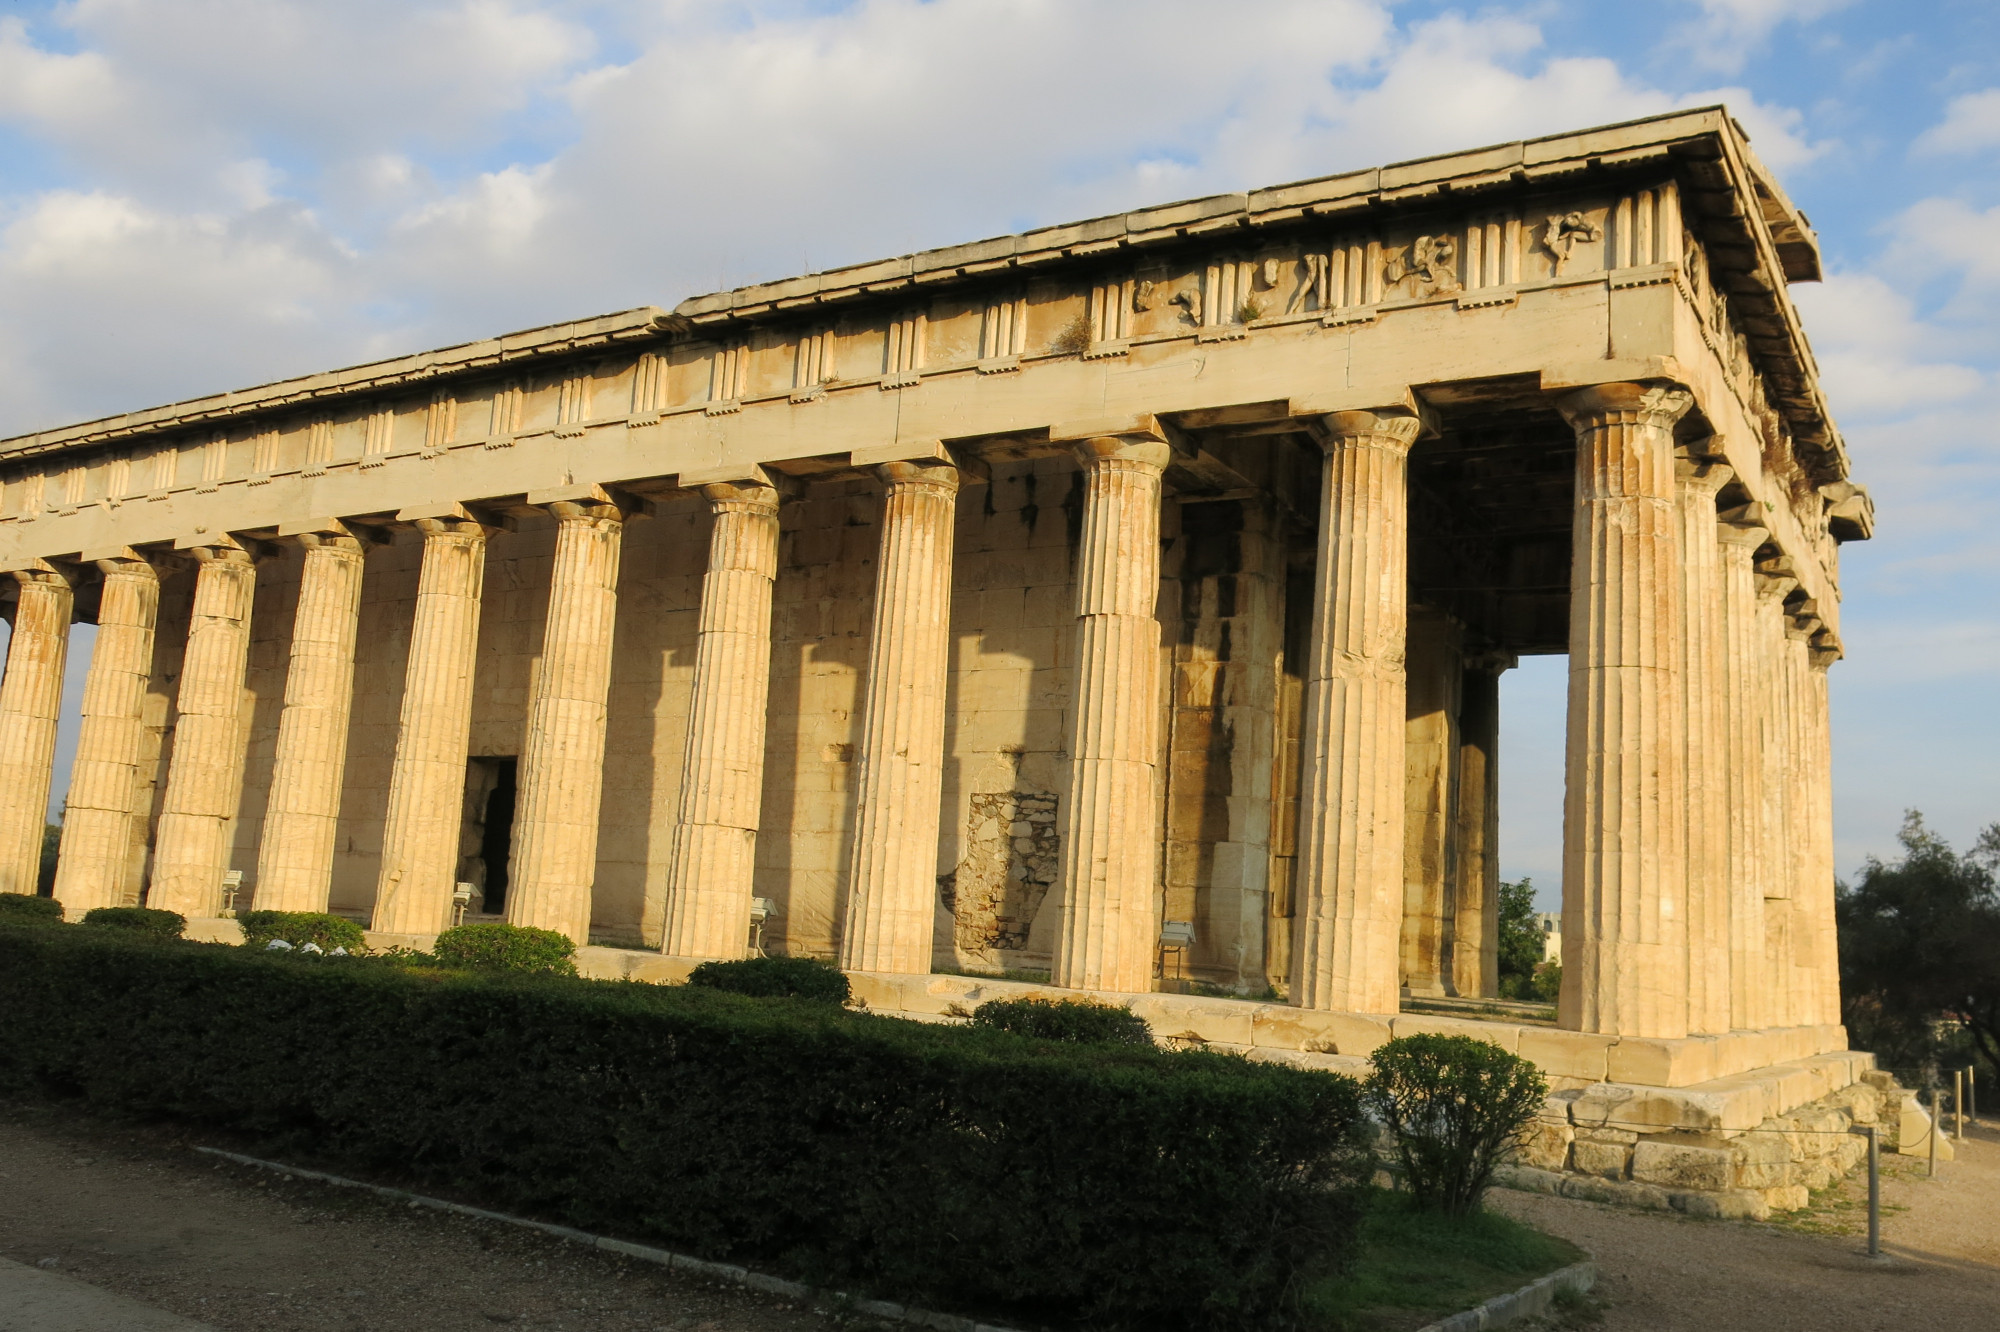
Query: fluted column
[
  {"x": 722, "y": 776},
  {"x": 892, "y": 876},
  {"x": 205, "y": 775},
  {"x": 1744, "y": 769},
  {"x": 554, "y": 860},
  {"x": 1801, "y": 860},
  {"x": 1350, "y": 871},
  {"x": 30, "y": 698},
  {"x": 1625, "y": 805},
  {"x": 1476, "y": 954},
  {"x": 1773, "y": 759},
  {"x": 427, "y": 784},
  {"x": 104, "y": 779},
  {"x": 1110, "y": 923},
  {"x": 302, "y": 817},
  {"x": 1820, "y": 792},
  {"x": 1704, "y": 741}
]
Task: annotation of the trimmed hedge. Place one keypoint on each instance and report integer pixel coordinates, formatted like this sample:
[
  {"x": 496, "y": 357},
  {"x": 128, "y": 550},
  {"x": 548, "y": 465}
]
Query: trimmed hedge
[
  {"x": 775, "y": 978},
  {"x": 492, "y": 946},
  {"x": 299, "y": 928},
  {"x": 148, "y": 921},
  {"x": 27, "y": 909},
  {"x": 1109, "y": 1186},
  {"x": 1080, "y": 1021}
]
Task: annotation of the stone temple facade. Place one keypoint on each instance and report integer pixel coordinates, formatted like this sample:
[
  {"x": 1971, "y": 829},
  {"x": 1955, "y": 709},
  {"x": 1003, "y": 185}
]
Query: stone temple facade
[{"x": 989, "y": 608}]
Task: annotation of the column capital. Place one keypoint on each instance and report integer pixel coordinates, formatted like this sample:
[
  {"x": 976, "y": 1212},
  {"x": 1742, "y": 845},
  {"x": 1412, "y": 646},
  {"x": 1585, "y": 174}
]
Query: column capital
[
  {"x": 334, "y": 533},
  {"x": 43, "y": 572},
  {"x": 745, "y": 496},
  {"x": 589, "y": 501},
  {"x": 1655, "y": 403},
  {"x": 454, "y": 519},
  {"x": 1701, "y": 476},
  {"x": 127, "y": 559},
  {"x": 1394, "y": 428},
  {"x": 206, "y": 547},
  {"x": 918, "y": 474},
  {"x": 1743, "y": 536}
]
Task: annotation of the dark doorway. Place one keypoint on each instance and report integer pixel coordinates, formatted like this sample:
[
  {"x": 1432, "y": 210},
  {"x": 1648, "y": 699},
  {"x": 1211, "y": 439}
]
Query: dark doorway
[{"x": 489, "y": 829}]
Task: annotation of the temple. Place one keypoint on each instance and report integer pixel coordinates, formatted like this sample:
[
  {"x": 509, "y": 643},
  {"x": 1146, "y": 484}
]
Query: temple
[{"x": 1110, "y": 600}]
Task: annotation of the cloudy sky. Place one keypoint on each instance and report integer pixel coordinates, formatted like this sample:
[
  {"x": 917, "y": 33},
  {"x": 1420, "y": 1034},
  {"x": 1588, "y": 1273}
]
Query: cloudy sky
[{"x": 205, "y": 194}]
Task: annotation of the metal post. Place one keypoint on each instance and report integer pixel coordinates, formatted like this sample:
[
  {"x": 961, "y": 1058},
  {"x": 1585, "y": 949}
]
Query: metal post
[
  {"x": 1874, "y": 1191},
  {"x": 1958, "y": 1105},
  {"x": 1971, "y": 1093},
  {"x": 1932, "y": 1173}
]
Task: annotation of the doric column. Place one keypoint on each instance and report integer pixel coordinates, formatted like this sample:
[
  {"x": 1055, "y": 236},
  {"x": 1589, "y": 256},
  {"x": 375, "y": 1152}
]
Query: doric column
[
  {"x": 427, "y": 784},
  {"x": 1476, "y": 943},
  {"x": 1819, "y": 757},
  {"x": 1773, "y": 759},
  {"x": 1349, "y": 891},
  {"x": 302, "y": 817},
  {"x": 1625, "y": 805},
  {"x": 1744, "y": 769},
  {"x": 1110, "y": 915},
  {"x": 722, "y": 776},
  {"x": 554, "y": 859},
  {"x": 1433, "y": 672},
  {"x": 104, "y": 780},
  {"x": 1704, "y": 741},
  {"x": 30, "y": 698},
  {"x": 1802, "y": 862},
  {"x": 892, "y": 876},
  {"x": 205, "y": 774}
]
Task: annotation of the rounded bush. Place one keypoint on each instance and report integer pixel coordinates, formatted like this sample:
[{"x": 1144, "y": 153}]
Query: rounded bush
[
  {"x": 1079, "y": 1021},
  {"x": 775, "y": 978},
  {"x": 299, "y": 928},
  {"x": 149, "y": 921},
  {"x": 1455, "y": 1105},
  {"x": 27, "y": 909},
  {"x": 496, "y": 947}
]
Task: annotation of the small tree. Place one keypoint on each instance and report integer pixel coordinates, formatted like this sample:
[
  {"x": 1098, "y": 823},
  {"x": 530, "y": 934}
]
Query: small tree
[
  {"x": 1455, "y": 1106},
  {"x": 1520, "y": 939},
  {"x": 1920, "y": 949}
]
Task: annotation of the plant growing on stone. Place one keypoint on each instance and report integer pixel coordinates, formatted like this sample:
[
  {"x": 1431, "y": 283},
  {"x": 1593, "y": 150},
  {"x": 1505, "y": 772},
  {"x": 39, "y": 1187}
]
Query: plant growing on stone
[
  {"x": 149, "y": 921},
  {"x": 1078, "y": 1021},
  {"x": 1074, "y": 340},
  {"x": 1454, "y": 1106},
  {"x": 299, "y": 928},
  {"x": 775, "y": 978},
  {"x": 27, "y": 909},
  {"x": 497, "y": 947}
]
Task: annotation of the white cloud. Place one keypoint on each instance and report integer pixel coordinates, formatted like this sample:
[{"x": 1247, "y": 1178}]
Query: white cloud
[
  {"x": 1970, "y": 123},
  {"x": 1875, "y": 355},
  {"x": 1729, "y": 31},
  {"x": 370, "y": 168}
]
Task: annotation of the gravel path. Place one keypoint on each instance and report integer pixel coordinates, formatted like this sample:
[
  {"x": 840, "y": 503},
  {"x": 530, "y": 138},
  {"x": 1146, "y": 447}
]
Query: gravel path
[
  {"x": 1667, "y": 1273},
  {"x": 135, "y": 1212}
]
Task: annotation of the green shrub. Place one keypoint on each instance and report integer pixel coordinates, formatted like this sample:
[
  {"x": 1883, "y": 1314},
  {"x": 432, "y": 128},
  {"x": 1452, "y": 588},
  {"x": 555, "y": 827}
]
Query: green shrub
[
  {"x": 775, "y": 977},
  {"x": 496, "y": 947},
  {"x": 1080, "y": 1021},
  {"x": 1547, "y": 982},
  {"x": 148, "y": 921},
  {"x": 27, "y": 909},
  {"x": 1455, "y": 1106},
  {"x": 950, "y": 1166},
  {"x": 299, "y": 928}
]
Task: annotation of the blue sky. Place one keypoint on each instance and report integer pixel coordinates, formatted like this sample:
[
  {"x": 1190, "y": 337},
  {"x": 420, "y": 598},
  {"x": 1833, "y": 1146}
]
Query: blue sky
[{"x": 204, "y": 194}]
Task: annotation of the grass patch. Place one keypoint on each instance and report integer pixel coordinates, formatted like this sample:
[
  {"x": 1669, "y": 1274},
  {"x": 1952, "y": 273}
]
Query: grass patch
[{"x": 1416, "y": 1266}]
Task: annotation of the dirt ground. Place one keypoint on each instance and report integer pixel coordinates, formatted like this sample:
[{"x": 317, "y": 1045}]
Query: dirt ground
[
  {"x": 1809, "y": 1272},
  {"x": 136, "y": 1212},
  {"x": 133, "y": 1210}
]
